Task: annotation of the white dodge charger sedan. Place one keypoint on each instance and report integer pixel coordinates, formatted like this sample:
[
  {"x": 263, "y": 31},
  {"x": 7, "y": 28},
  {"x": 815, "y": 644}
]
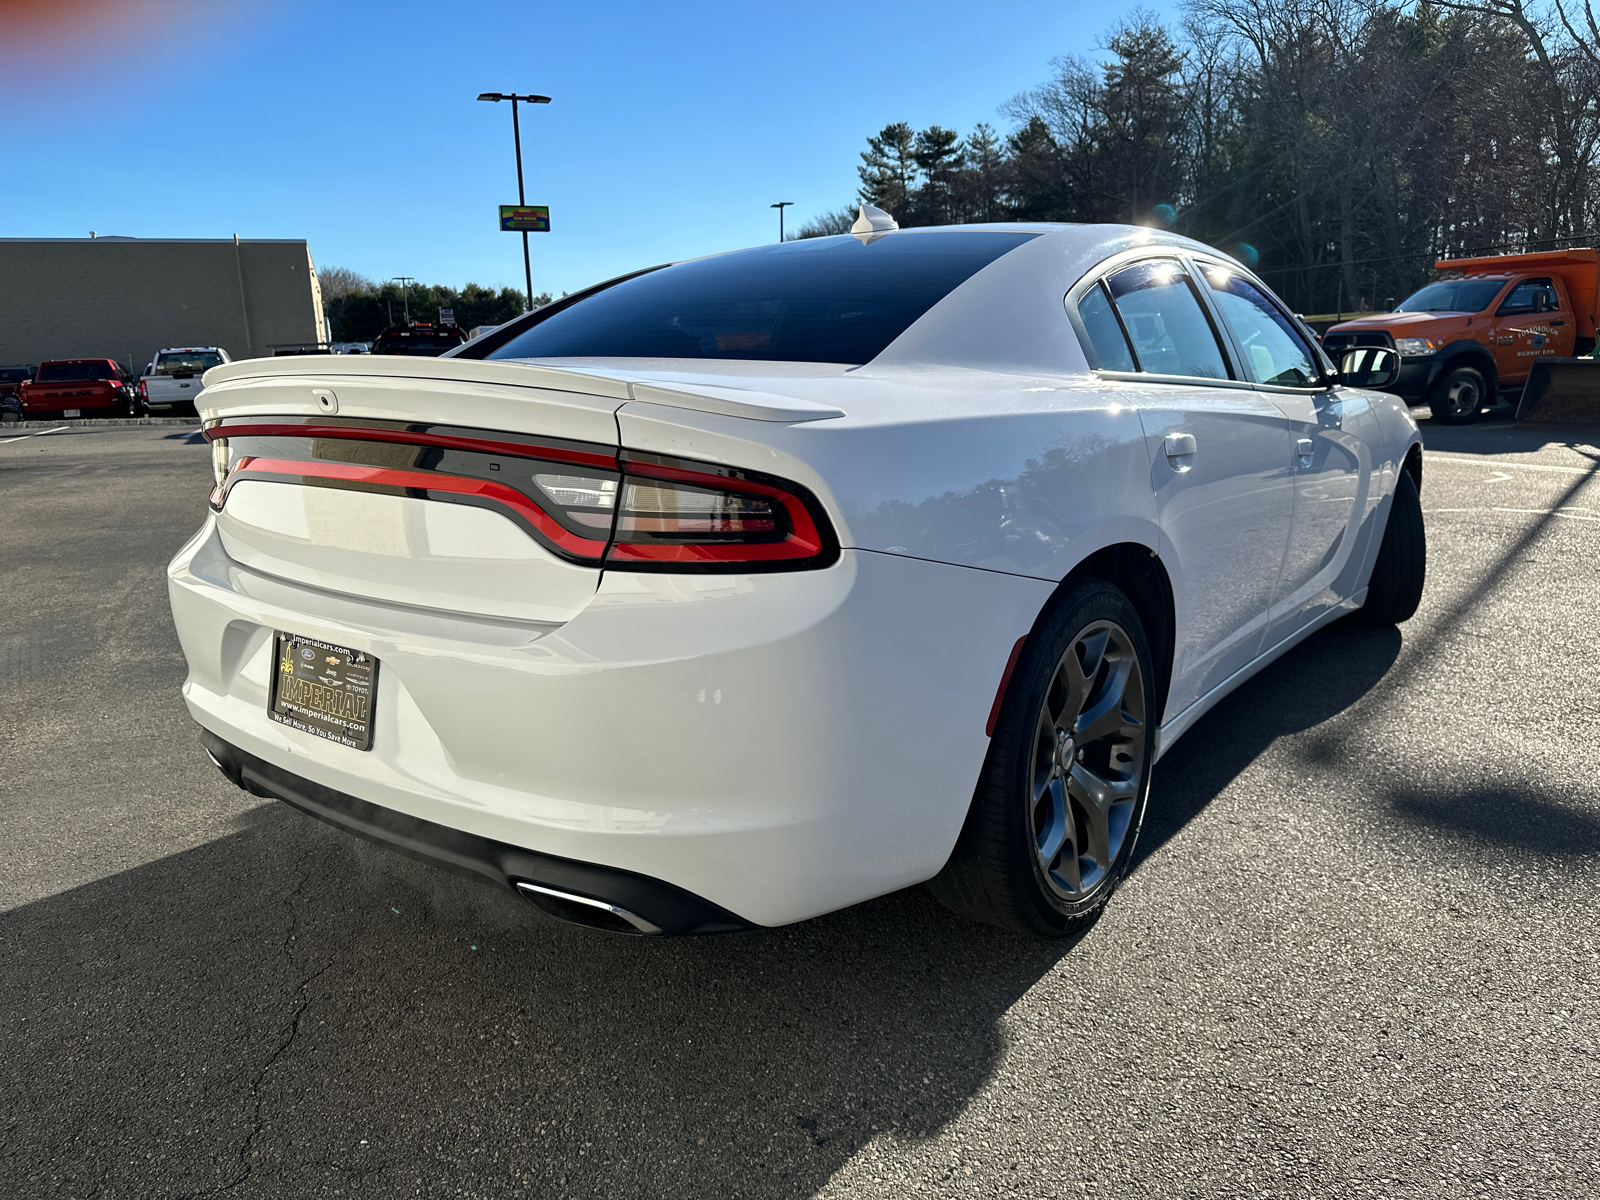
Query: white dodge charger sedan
[{"x": 735, "y": 591}]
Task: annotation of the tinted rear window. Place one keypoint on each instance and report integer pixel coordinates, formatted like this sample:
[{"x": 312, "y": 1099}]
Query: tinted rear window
[
  {"x": 189, "y": 361},
  {"x": 829, "y": 300},
  {"x": 71, "y": 372}
]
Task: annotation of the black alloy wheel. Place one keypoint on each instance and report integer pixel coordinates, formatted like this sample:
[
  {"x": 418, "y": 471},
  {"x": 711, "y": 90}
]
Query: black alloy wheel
[
  {"x": 1063, "y": 790},
  {"x": 1459, "y": 397}
]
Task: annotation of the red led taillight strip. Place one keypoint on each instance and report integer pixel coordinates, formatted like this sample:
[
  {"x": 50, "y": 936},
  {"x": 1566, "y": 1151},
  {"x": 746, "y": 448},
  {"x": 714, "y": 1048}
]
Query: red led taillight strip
[
  {"x": 409, "y": 437},
  {"x": 295, "y": 470},
  {"x": 803, "y": 541}
]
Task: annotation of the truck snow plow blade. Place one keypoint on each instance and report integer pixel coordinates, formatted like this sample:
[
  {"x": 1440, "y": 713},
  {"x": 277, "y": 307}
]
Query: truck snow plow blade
[{"x": 1561, "y": 392}]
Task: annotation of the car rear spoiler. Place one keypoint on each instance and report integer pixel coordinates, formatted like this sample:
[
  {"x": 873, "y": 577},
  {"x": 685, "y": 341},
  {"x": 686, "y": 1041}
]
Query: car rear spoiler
[
  {"x": 1579, "y": 271},
  {"x": 719, "y": 398}
]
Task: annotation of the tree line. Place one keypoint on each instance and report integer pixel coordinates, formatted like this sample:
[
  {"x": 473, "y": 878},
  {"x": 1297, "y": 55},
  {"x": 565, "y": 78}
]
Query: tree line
[
  {"x": 359, "y": 309},
  {"x": 1337, "y": 146}
]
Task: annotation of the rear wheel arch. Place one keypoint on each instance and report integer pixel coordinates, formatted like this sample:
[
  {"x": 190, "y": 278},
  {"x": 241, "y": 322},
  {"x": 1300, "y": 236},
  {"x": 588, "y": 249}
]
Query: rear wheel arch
[{"x": 1139, "y": 572}]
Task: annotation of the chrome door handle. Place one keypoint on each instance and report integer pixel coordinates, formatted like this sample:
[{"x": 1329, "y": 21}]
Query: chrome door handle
[
  {"x": 1304, "y": 448},
  {"x": 1179, "y": 444}
]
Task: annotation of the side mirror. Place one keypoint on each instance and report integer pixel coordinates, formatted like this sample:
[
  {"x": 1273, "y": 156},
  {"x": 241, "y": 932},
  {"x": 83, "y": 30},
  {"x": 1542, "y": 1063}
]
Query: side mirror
[{"x": 1369, "y": 367}]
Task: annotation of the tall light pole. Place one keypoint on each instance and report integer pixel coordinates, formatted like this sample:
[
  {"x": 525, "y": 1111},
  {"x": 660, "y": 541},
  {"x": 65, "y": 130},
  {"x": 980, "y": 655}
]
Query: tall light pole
[
  {"x": 405, "y": 282},
  {"x": 780, "y": 206},
  {"x": 516, "y": 135}
]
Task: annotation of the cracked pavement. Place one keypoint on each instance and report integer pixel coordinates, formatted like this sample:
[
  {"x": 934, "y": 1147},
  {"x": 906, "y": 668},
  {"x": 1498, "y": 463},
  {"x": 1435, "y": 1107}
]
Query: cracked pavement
[{"x": 1357, "y": 956}]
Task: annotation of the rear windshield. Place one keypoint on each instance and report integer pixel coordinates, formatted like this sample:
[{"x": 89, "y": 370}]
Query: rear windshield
[
  {"x": 1454, "y": 295},
  {"x": 176, "y": 362},
  {"x": 74, "y": 372},
  {"x": 833, "y": 300},
  {"x": 14, "y": 374}
]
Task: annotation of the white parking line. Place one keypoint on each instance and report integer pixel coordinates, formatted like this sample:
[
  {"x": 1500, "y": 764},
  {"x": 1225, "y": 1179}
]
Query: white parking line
[
  {"x": 1539, "y": 512},
  {"x": 35, "y": 433},
  {"x": 1430, "y": 456}
]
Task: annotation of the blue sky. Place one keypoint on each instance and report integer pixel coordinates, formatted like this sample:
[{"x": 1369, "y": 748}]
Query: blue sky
[{"x": 354, "y": 125}]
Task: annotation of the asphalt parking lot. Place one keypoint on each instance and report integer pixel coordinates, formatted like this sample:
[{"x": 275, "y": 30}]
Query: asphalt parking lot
[{"x": 1358, "y": 954}]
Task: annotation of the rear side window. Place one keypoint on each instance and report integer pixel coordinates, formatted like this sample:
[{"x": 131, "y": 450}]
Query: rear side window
[
  {"x": 1170, "y": 331},
  {"x": 835, "y": 300},
  {"x": 1105, "y": 334},
  {"x": 1273, "y": 351}
]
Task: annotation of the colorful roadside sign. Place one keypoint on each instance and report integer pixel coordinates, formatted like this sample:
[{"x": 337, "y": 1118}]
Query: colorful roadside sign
[{"x": 525, "y": 218}]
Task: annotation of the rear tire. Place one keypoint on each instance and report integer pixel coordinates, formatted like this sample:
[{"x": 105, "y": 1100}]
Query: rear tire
[
  {"x": 1459, "y": 397},
  {"x": 1402, "y": 566},
  {"x": 1064, "y": 787}
]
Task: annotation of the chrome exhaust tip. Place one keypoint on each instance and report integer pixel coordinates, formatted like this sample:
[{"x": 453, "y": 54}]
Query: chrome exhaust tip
[{"x": 586, "y": 911}]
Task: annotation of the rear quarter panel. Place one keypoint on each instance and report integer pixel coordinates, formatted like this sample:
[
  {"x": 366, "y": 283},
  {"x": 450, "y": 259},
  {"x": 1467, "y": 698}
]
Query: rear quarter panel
[{"x": 1023, "y": 475}]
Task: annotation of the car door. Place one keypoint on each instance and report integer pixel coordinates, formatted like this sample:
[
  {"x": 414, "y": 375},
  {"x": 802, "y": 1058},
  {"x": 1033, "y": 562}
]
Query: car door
[
  {"x": 1329, "y": 429},
  {"x": 1219, "y": 464},
  {"x": 1532, "y": 316}
]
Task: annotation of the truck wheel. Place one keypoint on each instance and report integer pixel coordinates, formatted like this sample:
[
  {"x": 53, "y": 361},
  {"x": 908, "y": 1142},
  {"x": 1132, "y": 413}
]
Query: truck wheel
[
  {"x": 1459, "y": 396},
  {"x": 1395, "y": 589}
]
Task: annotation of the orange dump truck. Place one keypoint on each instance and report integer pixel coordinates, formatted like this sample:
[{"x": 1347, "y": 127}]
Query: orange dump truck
[{"x": 1466, "y": 341}]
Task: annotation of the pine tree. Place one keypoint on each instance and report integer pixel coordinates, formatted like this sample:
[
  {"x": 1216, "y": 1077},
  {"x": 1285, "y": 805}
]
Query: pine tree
[
  {"x": 889, "y": 170},
  {"x": 980, "y": 185},
  {"x": 939, "y": 156}
]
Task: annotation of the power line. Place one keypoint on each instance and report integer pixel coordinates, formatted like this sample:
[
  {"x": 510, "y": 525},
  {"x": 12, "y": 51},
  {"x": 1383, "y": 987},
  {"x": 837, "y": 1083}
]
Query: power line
[{"x": 1588, "y": 235}]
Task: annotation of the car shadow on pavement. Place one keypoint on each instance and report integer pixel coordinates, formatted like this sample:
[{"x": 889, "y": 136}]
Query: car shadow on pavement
[
  {"x": 1313, "y": 683},
  {"x": 1496, "y": 432},
  {"x": 289, "y": 1011},
  {"x": 1510, "y": 818}
]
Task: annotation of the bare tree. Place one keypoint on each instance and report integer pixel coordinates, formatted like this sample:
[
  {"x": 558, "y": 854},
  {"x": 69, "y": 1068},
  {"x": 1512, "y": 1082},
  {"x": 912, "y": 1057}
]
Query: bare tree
[
  {"x": 339, "y": 282},
  {"x": 827, "y": 224}
]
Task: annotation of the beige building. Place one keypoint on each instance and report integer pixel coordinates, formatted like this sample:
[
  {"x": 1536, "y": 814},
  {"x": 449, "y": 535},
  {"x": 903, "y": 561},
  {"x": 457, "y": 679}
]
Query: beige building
[{"x": 126, "y": 298}]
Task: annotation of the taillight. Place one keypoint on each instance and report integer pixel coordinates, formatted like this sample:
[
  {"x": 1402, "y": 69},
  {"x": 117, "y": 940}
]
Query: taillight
[
  {"x": 144, "y": 392},
  {"x": 672, "y": 516},
  {"x": 587, "y": 504},
  {"x": 220, "y": 468}
]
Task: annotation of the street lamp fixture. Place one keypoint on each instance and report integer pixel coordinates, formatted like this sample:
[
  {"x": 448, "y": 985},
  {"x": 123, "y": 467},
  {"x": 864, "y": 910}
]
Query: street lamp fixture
[
  {"x": 522, "y": 198},
  {"x": 780, "y": 206}
]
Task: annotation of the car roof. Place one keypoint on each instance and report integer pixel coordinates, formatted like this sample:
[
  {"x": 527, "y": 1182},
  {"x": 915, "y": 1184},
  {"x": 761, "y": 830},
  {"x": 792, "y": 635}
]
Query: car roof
[{"x": 1010, "y": 315}]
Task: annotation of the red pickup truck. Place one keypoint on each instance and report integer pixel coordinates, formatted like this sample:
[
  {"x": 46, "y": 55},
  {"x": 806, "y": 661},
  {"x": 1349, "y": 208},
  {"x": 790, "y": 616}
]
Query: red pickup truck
[
  {"x": 1465, "y": 341},
  {"x": 78, "y": 387}
]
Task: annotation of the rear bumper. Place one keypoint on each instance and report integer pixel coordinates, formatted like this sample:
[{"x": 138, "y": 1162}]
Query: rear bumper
[
  {"x": 81, "y": 403},
  {"x": 780, "y": 745},
  {"x": 655, "y": 907}
]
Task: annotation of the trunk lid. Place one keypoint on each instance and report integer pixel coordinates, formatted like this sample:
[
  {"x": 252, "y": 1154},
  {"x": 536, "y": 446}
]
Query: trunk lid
[
  {"x": 402, "y": 485},
  {"x": 476, "y": 487}
]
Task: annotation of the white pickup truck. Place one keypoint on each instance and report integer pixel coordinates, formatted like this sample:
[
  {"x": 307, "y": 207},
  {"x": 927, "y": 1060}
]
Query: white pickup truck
[{"x": 173, "y": 376}]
